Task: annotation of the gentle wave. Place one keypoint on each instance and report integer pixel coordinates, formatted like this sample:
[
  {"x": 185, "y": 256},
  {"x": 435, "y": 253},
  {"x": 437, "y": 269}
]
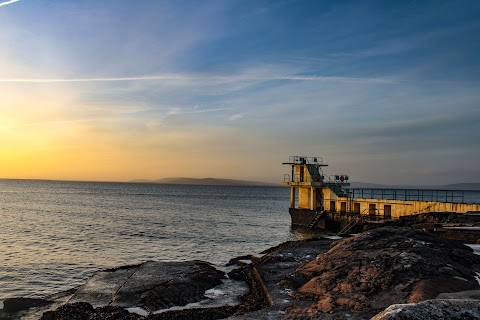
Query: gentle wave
[{"x": 55, "y": 234}]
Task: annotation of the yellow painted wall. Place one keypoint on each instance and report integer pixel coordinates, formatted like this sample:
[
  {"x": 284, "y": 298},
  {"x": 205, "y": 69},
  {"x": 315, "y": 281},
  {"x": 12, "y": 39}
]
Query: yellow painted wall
[
  {"x": 399, "y": 208},
  {"x": 304, "y": 198},
  {"x": 330, "y": 196},
  {"x": 406, "y": 208}
]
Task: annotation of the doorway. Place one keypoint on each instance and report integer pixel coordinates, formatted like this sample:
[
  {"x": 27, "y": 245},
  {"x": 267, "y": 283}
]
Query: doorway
[
  {"x": 387, "y": 209},
  {"x": 332, "y": 206},
  {"x": 356, "y": 207}
]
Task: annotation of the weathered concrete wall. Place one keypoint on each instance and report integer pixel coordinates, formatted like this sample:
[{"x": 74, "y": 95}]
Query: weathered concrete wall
[
  {"x": 388, "y": 208},
  {"x": 304, "y": 198},
  {"x": 404, "y": 208},
  {"x": 331, "y": 201}
]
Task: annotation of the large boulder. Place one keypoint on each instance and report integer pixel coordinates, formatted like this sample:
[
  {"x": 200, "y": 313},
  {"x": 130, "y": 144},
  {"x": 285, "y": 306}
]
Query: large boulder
[
  {"x": 365, "y": 274},
  {"x": 432, "y": 310}
]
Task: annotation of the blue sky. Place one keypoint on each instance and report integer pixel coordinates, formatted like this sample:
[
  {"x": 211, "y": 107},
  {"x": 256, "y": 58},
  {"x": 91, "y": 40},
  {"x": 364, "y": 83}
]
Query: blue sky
[{"x": 385, "y": 91}]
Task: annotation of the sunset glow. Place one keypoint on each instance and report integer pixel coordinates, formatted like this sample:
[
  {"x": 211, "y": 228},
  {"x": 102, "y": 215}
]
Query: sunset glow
[{"x": 121, "y": 90}]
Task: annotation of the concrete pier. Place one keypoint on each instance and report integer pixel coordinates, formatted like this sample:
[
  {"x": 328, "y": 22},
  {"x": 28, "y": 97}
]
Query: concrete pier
[{"x": 312, "y": 193}]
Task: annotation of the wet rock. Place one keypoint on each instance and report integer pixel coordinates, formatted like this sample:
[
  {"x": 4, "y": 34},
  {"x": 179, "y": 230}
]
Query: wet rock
[
  {"x": 432, "y": 309},
  {"x": 21, "y": 304},
  {"x": 151, "y": 286},
  {"x": 363, "y": 275},
  {"x": 257, "y": 297},
  {"x": 197, "y": 314},
  {"x": 241, "y": 260},
  {"x": 275, "y": 280},
  {"x": 138, "y": 292},
  {"x": 74, "y": 311},
  {"x": 85, "y": 311}
]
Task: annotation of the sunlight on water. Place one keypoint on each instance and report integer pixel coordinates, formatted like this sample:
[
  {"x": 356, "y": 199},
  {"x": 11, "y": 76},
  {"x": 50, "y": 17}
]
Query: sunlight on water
[{"x": 54, "y": 235}]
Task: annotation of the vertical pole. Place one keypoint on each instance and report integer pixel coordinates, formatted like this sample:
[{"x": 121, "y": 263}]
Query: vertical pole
[{"x": 312, "y": 198}]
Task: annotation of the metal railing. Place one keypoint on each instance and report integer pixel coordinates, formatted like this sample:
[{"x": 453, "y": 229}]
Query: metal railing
[
  {"x": 305, "y": 160},
  {"x": 448, "y": 196},
  {"x": 299, "y": 178}
]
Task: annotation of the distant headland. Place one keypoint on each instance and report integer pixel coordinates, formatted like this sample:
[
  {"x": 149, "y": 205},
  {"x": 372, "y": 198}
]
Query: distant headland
[
  {"x": 204, "y": 181},
  {"x": 234, "y": 182}
]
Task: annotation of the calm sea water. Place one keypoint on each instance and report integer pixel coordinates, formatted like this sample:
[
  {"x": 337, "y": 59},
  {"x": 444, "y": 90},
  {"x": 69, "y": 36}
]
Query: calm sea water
[{"x": 54, "y": 235}]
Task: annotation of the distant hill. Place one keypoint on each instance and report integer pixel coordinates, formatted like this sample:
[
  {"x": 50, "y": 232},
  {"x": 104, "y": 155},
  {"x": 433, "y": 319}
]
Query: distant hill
[
  {"x": 368, "y": 185},
  {"x": 233, "y": 182},
  {"x": 461, "y": 186},
  {"x": 453, "y": 186},
  {"x": 205, "y": 181}
]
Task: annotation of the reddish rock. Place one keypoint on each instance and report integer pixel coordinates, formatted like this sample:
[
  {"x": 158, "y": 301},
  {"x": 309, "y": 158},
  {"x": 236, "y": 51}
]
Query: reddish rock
[{"x": 365, "y": 274}]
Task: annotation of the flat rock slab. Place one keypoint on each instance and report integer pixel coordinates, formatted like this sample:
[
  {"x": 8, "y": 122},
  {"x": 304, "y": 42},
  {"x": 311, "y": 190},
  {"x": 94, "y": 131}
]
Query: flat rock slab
[
  {"x": 151, "y": 286},
  {"x": 102, "y": 287}
]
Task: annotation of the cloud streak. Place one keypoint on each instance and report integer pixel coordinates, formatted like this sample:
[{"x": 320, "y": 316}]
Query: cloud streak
[
  {"x": 178, "y": 111},
  {"x": 8, "y": 2},
  {"x": 198, "y": 77}
]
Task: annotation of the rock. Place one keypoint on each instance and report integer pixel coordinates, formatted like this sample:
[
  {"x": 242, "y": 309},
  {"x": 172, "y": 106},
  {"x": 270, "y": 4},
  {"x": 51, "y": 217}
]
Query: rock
[
  {"x": 20, "y": 304},
  {"x": 365, "y": 274},
  {"x": 151, "y": 285},
  {"x": 257, "y": 296},
  {"x": 85, "y": 311},
  {"x": 197, "y": 314},
  {"x": 272, "y": 280},
  {"x": 353, "y": 278},
  {"x": 74, "y": 311},
  {"x": 433, "y": 310}
]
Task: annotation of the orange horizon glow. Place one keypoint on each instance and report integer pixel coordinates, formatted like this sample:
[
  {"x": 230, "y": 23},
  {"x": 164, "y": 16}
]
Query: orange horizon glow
[{"x": 58, "y": 142}]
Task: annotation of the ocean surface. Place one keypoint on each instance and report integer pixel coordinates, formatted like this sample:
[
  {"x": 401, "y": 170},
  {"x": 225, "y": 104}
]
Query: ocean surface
[{"x": 54, "y": 234}]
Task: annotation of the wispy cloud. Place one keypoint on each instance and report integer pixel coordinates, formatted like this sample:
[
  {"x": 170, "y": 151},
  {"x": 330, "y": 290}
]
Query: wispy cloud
[
  {"x": 8, "y": 2},
  {"x": 105, "y": 79},
  {"x": 245, "y": 77},
  {"x": 235, "y": 117},
  {"x": 176, "y": 111}
]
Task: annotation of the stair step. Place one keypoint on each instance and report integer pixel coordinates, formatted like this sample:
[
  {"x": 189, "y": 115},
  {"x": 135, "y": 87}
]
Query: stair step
[{"x": 318, "y": 216}]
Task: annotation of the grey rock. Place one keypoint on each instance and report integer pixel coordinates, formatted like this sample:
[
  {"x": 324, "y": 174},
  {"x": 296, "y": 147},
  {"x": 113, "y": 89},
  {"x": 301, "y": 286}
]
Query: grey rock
[
  {"x": 21, "y": 304},
  {"x": 433, "y": 310},
  {"x": 151, "y": 286}
]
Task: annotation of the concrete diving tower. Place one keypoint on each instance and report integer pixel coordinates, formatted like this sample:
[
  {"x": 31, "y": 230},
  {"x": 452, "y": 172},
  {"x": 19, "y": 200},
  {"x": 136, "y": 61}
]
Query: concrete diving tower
[{"x": 309, "y": 185}]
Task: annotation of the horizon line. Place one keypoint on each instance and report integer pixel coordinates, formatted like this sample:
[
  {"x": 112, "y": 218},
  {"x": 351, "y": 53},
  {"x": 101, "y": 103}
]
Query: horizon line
[{"x": 153, "y": 180}]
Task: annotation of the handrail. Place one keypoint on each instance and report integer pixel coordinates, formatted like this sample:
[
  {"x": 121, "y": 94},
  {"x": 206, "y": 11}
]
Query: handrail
[
  {"x": 447, "y": 196},
  {"x": 348, "y": 227},
  {"x": 305, "y": 160}
]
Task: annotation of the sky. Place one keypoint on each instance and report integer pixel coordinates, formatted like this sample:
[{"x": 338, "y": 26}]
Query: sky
[{"x": 113, "y": 90}]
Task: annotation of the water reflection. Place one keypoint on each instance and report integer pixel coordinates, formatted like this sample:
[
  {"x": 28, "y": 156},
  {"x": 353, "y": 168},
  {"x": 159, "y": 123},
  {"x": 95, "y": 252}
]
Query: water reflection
[{"x": 299, "y": 233}]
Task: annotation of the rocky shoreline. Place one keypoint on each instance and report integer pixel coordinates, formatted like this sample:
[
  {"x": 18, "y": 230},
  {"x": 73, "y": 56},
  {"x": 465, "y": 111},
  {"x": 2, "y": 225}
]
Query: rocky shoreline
[{"x": 385, "y": 273}]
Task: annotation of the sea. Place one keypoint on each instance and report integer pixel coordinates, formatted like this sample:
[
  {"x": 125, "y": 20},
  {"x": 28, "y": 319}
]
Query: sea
[{"x": 55, "y": 234}]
